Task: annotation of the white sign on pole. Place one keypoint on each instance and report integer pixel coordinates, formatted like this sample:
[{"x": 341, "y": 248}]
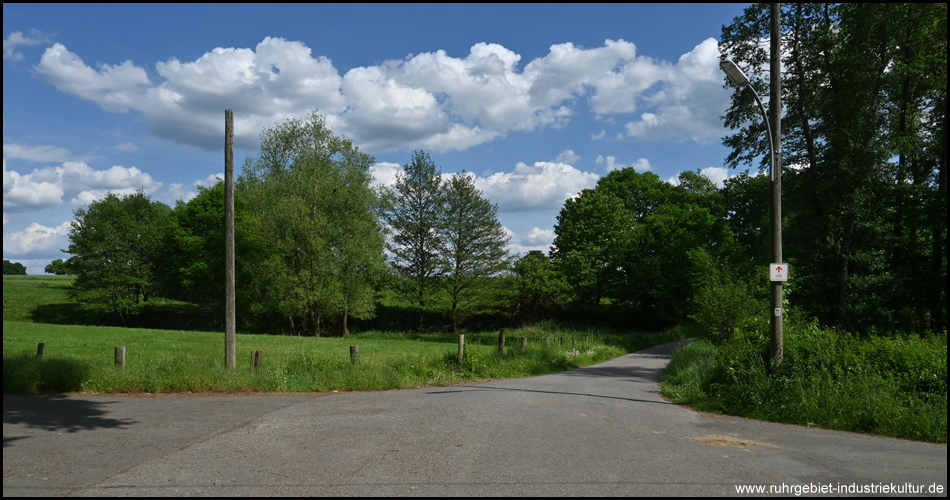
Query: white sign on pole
[{"x": 778, "y": 272}]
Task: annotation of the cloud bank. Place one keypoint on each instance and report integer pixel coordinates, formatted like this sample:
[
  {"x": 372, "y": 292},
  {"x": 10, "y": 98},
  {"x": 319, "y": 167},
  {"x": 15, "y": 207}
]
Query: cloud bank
[{"x": 430, "y": 100}]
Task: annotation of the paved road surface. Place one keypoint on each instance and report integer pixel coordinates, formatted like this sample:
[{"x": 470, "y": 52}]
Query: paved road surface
[{"x": 601, "y": 430}]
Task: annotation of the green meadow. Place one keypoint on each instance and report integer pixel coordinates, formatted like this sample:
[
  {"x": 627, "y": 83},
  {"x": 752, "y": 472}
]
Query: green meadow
[{"x": 80, "y": 358}]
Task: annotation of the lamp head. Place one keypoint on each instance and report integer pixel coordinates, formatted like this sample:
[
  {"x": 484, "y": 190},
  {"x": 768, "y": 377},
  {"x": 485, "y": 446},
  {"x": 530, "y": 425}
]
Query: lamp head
[{"x": 733, "y": 72}]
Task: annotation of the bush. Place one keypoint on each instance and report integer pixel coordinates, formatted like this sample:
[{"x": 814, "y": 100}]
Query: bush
[
  {"x": 893, "y": 386},
  {"x": 721, "y": 302}
]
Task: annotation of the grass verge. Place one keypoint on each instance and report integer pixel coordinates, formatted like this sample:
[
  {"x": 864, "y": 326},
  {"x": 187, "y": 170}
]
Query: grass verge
[
  {"x": 80, "y": 359},
  {"x": 890, "y": 386}
]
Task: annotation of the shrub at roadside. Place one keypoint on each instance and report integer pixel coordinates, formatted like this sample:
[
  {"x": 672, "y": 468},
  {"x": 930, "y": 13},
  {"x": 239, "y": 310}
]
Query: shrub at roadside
[{"x": 893, "y": 386}]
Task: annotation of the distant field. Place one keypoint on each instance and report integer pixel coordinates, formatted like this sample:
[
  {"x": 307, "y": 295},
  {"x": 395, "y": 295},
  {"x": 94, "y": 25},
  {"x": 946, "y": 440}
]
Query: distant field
[
  {"x": 23, "y": 295},
  {"x": 79, "y": 357},
  {"x": 44, "y": 299}
]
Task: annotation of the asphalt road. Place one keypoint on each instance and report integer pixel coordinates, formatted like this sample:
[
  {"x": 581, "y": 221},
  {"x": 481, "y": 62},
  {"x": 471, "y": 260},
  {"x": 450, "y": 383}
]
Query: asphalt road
[{"x": 602, "y": 430}]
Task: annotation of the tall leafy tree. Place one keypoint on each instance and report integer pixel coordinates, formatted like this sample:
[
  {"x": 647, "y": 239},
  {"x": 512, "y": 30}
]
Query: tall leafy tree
[
  {"x": 416, "y": 240},
  {"x": 591, "y": 237},
  {"x": 313, "y": 209},
  {"x": 864, "y": 126},
  {"x": 474, "y": 245},
  {"x": 118, "y": 253},
  {"x": 198, "y": 261},
  {"x": 626, "y": 242}
]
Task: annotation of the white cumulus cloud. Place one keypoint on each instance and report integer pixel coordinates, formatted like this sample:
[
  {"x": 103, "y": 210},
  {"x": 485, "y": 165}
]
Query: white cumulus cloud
[
  {"x": 611, "y": 163},
  {"x": 534, "y": 239},
  {"x": 75, "y": 181},
  {"x": 37, "y": 240},
  {"x": 542, "y": 186},
  {"x": 16, "y": 39},
  {"x": 689, "y": 104},
  {"x": 430, "y": 100}
]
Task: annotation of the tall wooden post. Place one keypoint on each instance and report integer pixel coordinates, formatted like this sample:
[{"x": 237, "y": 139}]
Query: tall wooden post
[
  {"x": 230, "y": 347},
  {"x": 775, "y": 192}
]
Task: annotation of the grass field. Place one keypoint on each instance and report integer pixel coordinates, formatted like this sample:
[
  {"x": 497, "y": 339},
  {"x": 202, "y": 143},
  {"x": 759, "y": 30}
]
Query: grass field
[{"x": 80, "y": 357}]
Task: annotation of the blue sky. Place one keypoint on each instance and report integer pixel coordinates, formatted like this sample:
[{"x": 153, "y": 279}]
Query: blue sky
[{"x": 537, "y": 101}]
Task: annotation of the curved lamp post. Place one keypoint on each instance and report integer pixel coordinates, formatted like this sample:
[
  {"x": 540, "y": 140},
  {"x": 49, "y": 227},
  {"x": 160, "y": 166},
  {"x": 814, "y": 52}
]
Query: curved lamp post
[
  {"x": 775, "y": 194},
  {"x": 740, "y": 80}
]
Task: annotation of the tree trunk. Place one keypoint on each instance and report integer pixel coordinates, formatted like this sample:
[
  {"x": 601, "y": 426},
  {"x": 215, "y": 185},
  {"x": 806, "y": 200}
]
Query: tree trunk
[{"x": 346, "y": 331}]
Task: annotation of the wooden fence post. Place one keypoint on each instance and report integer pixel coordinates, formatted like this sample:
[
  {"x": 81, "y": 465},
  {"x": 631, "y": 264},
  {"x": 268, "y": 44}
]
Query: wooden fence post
[
  {"x": 501, "y": 343},
  {"x": 524, "y": 343},
  {"x": 120, "y": 355},
  {"x": 39, "y": 350},
  {"x": 355, "y": 354},
  {"x": 461, "y": 348},
  {"x": 562, "y": 341},
  {"x": 255, "y": 359}
]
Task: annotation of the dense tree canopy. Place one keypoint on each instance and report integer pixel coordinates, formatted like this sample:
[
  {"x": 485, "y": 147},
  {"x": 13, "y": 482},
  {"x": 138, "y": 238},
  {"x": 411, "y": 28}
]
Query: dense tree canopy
[
  {"x": 311, "y": 206},
  {"x": 119, "y": 253},
  {"x": 57, "y": 267},
  {"x": 13, "y": 268},
  {"x": 864, "y": 130},
  {"x": 413, "y": 217}
]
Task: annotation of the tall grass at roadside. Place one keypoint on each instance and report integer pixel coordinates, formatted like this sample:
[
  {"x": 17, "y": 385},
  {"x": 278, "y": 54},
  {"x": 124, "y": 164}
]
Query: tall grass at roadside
[
  {"x": 892, "y": 386},
  {"x": 81, "y": 359}
]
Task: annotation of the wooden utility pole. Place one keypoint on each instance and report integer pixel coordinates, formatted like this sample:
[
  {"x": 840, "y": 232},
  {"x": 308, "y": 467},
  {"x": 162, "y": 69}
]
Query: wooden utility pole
[
  {"x": 775, "y": 193},
  {"x": 230, "y": 348}
]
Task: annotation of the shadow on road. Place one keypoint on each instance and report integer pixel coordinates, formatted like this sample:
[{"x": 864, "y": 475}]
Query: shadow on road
[
  {"x": 561, "y": 393},
  {"x": 57, "y": 414}
]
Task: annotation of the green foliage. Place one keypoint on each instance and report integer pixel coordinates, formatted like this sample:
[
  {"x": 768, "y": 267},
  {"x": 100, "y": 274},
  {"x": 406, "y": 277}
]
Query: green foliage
[
  {"x": 542, "y": 291},
  {"x": 864, "y": 124},
  {"x": 626, "y": 243},
  {"x": 57, "y": 267},
  {"x": 474, "y": 246},
  {"x": 722, "y": 303},
  {"x": 13, "y": 268},
  {"x": 313, "y": 212},
  {"x": 894, "y": 386},
  {"x": 416, "y": 206},
  {"x": 591, "y": 234},
  {"x": 118, "y": 253}
]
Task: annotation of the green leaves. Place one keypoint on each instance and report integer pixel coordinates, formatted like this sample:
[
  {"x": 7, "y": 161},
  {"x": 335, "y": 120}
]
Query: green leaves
[
  {"x": 864, "y": 148},
  {"x": 474, "y": 244},
  {"x": 119, "y": 252},
  {"x": 413, "y": 219},
  {"x": 313, "y": 211}
]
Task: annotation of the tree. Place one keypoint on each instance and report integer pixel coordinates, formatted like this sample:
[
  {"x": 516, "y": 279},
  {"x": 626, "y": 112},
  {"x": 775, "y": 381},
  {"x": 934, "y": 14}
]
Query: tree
[
  {"x": 312, "y": 207},
  {"x": 13, "y": 268},
  {"x": 626, "y": 242},
  {"x": 542, "y": 290},
  {"x": 864, "y": 125},
  {"x": 591, "y": 235},
  {"x": 413, "y": 219},
  {"x": 118, "y": 252},
  {"x": 474, "y": 245},
  {"x": 57, "y": 267}
]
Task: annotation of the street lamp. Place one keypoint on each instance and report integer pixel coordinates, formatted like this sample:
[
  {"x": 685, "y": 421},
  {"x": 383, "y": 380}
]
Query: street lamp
[
  {"x": 740, "y": 80},
  {"x": 778, "y": 271}
]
